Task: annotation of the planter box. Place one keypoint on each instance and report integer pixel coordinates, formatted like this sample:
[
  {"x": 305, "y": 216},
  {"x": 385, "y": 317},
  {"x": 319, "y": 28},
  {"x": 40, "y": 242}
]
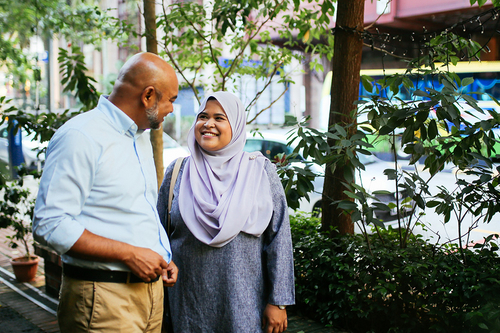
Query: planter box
[{"x": 52, "y": 268}]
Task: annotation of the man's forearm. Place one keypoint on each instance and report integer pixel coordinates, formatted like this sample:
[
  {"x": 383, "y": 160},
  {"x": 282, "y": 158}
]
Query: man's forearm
[
  {"x": 97, "y": 248},
  {"x": 143, "y": 262}
]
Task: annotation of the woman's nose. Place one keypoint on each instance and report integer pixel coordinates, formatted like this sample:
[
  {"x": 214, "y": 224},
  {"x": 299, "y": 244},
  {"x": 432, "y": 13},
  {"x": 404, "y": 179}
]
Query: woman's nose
[{"x": 209, "y": 123}]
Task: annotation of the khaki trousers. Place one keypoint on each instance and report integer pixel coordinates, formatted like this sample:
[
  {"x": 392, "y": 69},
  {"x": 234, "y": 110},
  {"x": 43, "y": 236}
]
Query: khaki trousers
[{"x": 86, "y": 306}]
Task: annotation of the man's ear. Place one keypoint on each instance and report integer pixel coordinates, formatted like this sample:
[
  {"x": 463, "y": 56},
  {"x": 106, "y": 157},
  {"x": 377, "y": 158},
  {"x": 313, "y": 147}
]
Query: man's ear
[{"x": 148, "y": 96}]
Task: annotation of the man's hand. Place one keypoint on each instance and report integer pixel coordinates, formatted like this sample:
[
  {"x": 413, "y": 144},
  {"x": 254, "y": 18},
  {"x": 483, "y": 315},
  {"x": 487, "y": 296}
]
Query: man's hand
[
  {"x": 274, "y": 319},
  {"x": 170, "y": 275},
  {"x": 143, "y": 262},
  {"x": 146, "y": 263}
]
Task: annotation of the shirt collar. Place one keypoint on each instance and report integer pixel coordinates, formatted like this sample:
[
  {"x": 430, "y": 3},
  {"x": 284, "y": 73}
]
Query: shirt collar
[{"x": 120, "y": 121}]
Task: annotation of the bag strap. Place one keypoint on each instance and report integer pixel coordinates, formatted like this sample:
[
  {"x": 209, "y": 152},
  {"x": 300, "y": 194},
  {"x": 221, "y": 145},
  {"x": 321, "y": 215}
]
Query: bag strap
[{"x": 173, "y": 180}]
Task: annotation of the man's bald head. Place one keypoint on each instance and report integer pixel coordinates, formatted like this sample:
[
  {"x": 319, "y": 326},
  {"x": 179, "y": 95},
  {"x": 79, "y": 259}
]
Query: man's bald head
[
  {"x": 142, "y": 70},
  {"x": 142, "y": 82}
]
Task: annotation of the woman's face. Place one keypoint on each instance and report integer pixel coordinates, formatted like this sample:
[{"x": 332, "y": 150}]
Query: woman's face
[{"x": 212, "y": 130}]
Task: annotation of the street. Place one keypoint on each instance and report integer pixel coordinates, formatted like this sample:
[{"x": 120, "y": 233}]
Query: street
[{"x": 435, "y": 228}]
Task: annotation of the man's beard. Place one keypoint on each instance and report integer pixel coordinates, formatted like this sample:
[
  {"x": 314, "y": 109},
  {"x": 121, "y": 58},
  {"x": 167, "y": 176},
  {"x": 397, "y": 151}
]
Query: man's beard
[{"x": 152, "y": 114}]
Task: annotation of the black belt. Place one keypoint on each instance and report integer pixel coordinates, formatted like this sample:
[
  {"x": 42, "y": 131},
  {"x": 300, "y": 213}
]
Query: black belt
[{"x": 98, "y": 275}]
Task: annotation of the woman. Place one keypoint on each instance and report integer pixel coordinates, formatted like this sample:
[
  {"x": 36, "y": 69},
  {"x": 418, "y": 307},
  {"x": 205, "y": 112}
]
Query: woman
[{"x": 230, "y": 233}]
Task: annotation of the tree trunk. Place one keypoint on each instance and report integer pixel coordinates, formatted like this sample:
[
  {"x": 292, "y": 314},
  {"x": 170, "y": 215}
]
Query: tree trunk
[
  {"x": 152, "y": 46},
  {"x": 346, "y": 65}
]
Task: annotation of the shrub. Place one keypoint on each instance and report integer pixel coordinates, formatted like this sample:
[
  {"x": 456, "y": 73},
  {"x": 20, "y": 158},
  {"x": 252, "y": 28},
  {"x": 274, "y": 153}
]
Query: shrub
[{"x": 342, "y": 282}]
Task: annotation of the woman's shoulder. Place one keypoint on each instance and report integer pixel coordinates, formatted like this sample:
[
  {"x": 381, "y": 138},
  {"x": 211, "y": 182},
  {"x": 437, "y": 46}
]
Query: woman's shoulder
[
  {"x": 170, "y": 168},
  {"x": 262, "y": 160}
]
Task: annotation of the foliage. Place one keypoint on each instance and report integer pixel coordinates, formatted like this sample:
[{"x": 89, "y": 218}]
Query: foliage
[
  {"x": 241, "y": 28},
  {"x": 343, "y": 282},
  {"x": 74, "y": 77},
  {"x": 192, "y": 45},
  {"x": 309, "y": 28},
  {"x": 435, "y": 128},
  {"x": 432, "y": 127},
  {"x": 296, "y": 181},
  {"x": 16, "y": 211},
  {"x": 496, "y": 3},
  {"x": 82, "y": 22}
]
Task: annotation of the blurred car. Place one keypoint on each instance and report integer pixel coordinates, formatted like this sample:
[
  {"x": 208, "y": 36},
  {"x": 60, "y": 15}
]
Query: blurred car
[
  {"x": 30, "y": 146},
  {"x": 171, "y": 149},
  {"x": 372, "y": 179},
  {"x": 273, "y": 142}
]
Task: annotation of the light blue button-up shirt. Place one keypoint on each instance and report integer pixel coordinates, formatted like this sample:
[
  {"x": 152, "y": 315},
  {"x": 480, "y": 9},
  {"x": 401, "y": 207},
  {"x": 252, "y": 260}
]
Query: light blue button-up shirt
[{"x": 99, "y": 175}]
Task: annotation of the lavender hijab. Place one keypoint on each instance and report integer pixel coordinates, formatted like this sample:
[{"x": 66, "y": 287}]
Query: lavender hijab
[{"x": 225, "y": 192}]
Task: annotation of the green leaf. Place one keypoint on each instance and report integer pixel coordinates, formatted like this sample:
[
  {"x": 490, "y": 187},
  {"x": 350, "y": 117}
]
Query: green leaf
[
  {"x": 385, "y": 130},
  {"x": 408, "y": 135},
  {"x": 432, "y": 130},
  {"x": 381, "y": 206},
  {"x": 352, "y": 195},
  {"x": 347, "y": 205},
  {"x": 366, "y": 81},
  {"x": 467, "y": 81},
  {"x": 420, "y": 93},
  {"x": 341, "y": 130},
  {"x": 432, "y": 203}
]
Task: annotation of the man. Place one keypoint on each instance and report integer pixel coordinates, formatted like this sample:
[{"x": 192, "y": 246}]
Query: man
[{"x": 96, "y": 206}]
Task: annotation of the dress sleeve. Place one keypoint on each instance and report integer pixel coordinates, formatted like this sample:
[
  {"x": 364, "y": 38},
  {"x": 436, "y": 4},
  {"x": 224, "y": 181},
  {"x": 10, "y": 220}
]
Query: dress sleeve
[{"x": 278, "y": 250}]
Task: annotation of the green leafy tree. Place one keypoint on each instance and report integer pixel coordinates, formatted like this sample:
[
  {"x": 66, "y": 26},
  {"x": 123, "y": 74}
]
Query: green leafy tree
[
  {"x": 242, "y": 29},
  {"x": 422, "y": 128},
  {"x": 78, "y": 22}
]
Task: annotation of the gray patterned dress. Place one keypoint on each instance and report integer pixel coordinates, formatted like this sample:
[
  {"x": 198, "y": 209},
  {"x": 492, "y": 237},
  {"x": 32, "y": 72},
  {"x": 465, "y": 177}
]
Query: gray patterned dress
[{"x": 226, "y": 289}]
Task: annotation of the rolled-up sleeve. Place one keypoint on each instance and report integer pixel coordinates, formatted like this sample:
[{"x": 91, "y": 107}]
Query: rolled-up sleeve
[{"x": 65, "y": 184}]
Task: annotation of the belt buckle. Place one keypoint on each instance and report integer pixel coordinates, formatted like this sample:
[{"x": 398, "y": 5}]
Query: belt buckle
[{"x": 128, "y": 276}]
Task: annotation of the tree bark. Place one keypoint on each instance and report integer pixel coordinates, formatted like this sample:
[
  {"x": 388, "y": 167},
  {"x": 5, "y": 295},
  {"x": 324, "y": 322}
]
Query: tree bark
[
  {"x": 152, "y": 46},
  {"x": 346, "y": 64}
]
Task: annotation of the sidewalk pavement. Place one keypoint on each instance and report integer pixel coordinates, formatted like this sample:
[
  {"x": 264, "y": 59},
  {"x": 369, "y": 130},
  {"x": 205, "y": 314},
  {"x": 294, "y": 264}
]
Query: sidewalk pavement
[{"x": 24, "y": 307}]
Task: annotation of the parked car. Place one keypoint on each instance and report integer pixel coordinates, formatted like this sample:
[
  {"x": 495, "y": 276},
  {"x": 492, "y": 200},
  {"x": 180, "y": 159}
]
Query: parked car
[
  {"x": 171, "y": 149},
  {"x": 373, "y": 178},
  {"x": 30, "y": 146}
]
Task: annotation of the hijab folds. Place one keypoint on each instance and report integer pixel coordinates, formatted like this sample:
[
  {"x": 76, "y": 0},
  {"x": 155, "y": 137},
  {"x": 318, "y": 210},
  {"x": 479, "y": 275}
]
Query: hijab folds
[{"x": 225, "y": 192}]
